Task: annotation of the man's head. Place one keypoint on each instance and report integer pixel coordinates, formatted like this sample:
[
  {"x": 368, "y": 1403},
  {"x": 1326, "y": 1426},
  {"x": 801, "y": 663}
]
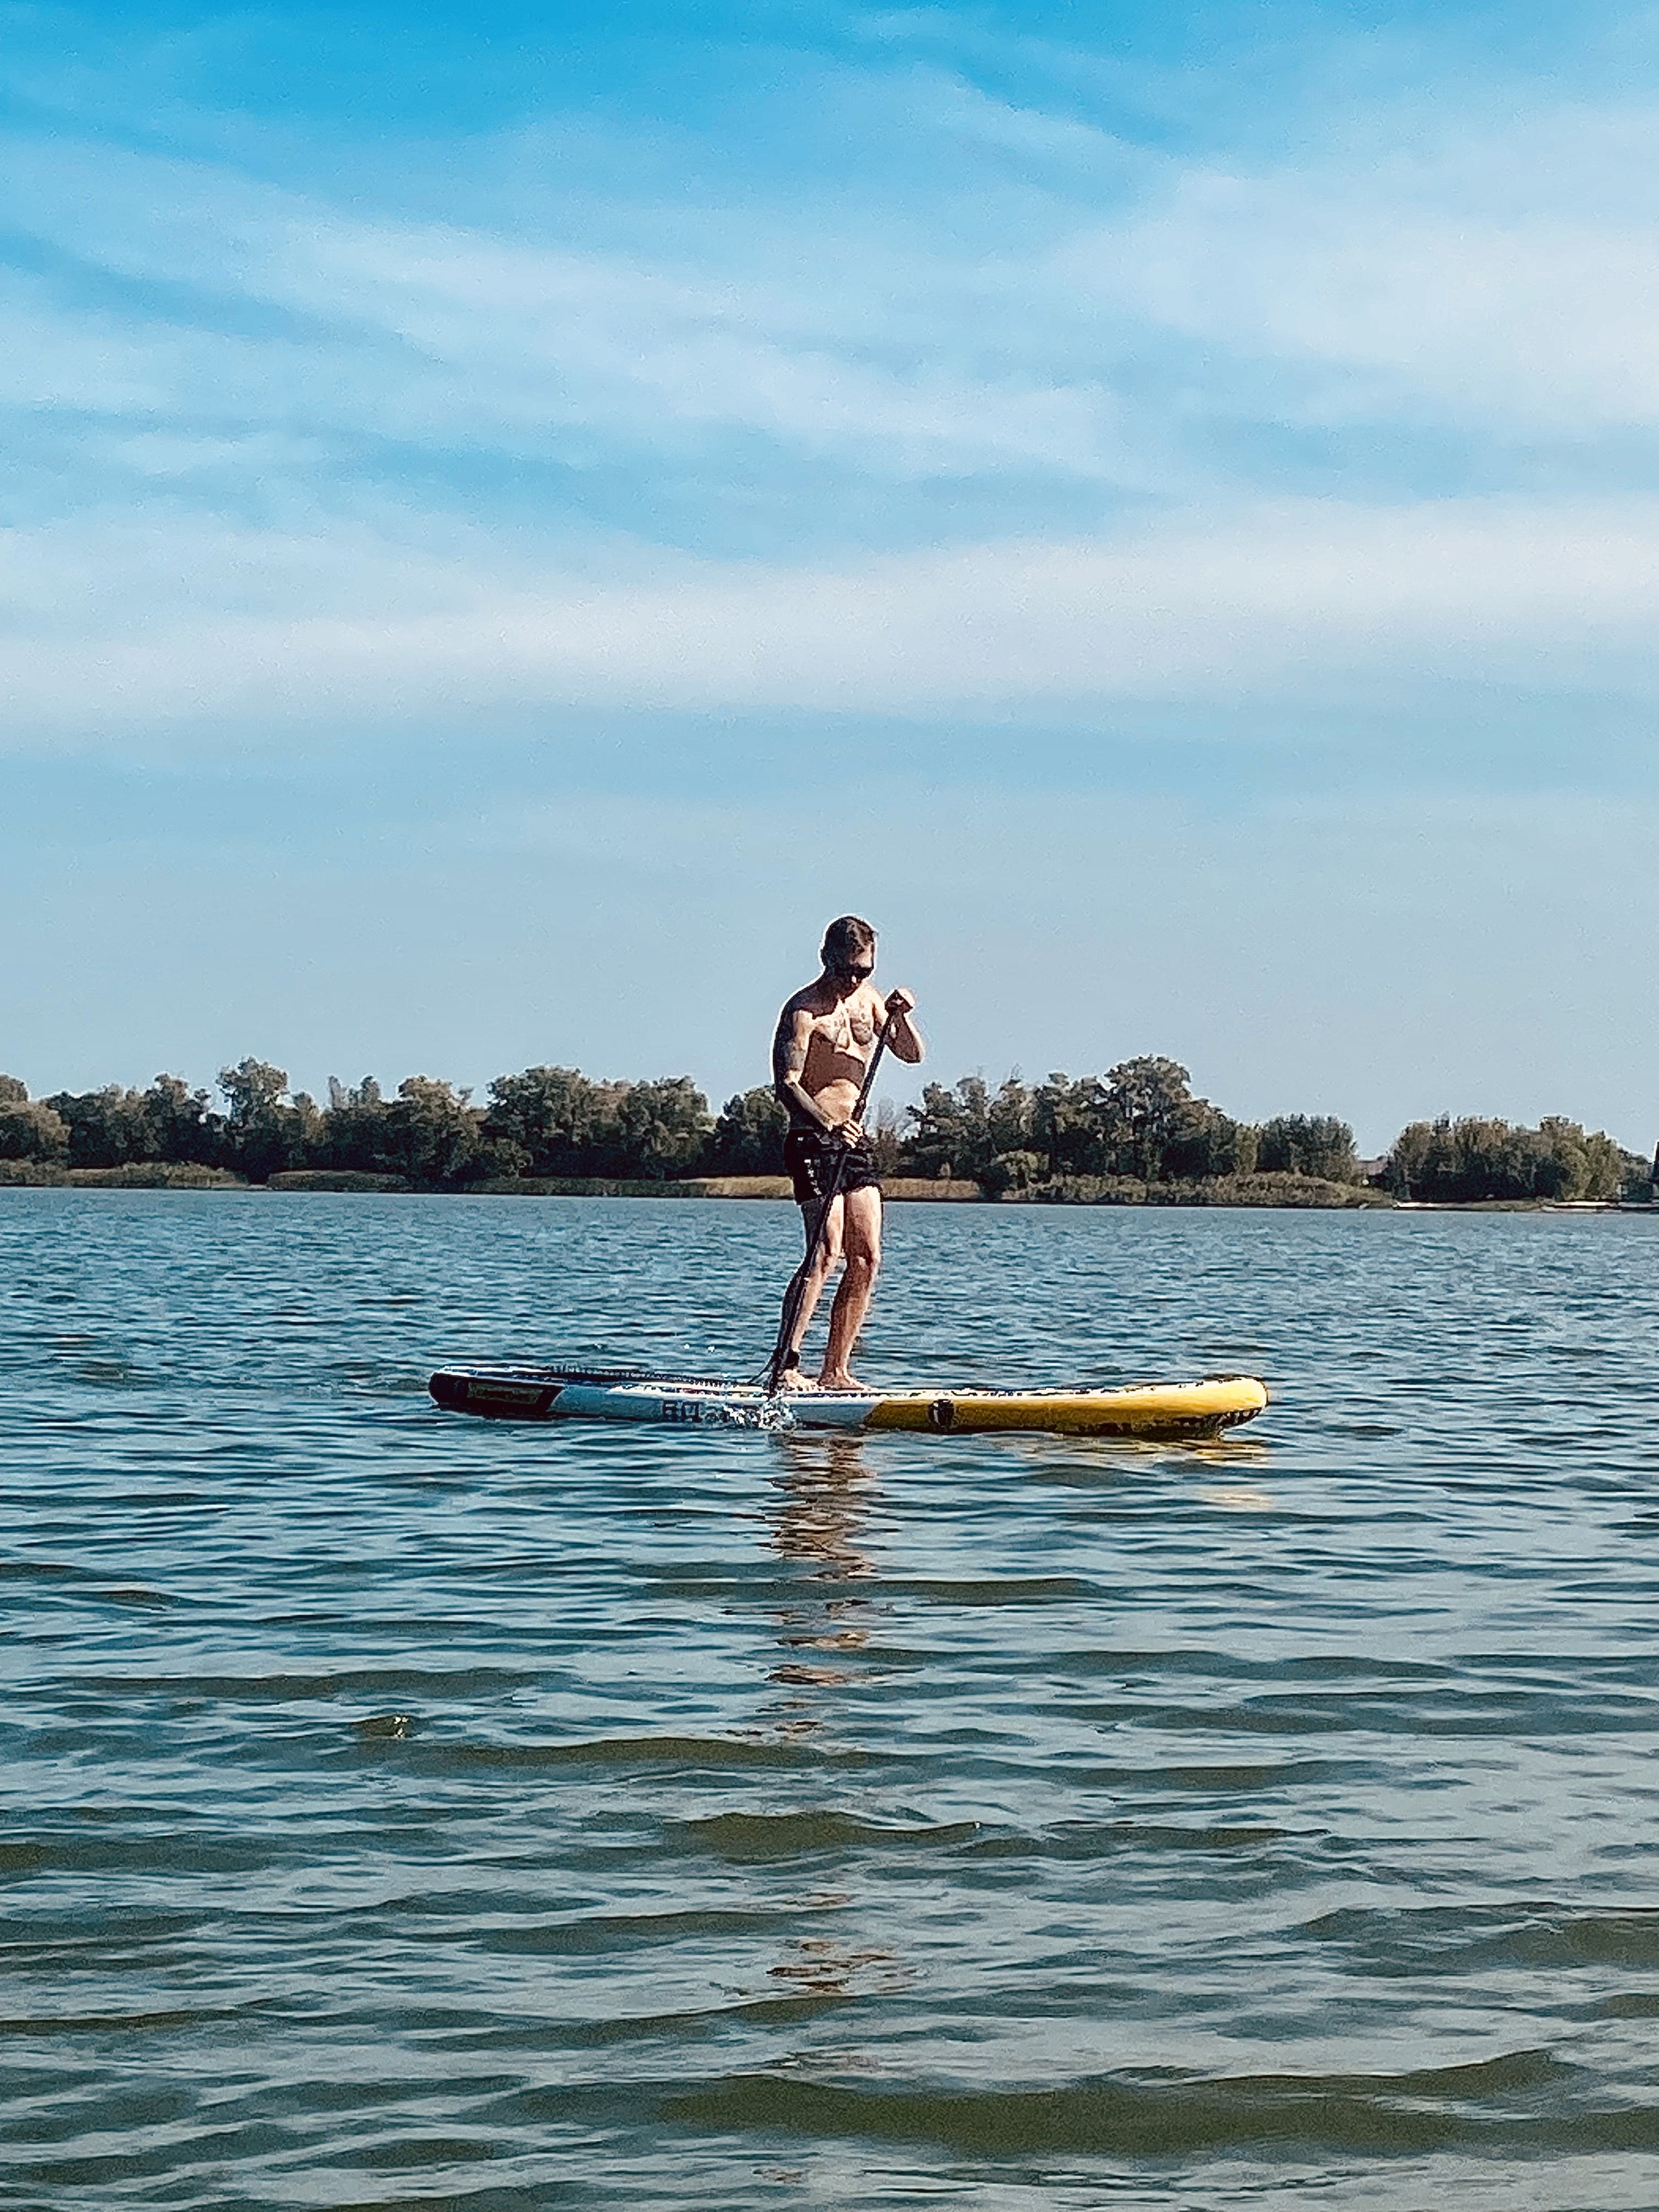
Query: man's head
[{"x": 849, "y": 950}]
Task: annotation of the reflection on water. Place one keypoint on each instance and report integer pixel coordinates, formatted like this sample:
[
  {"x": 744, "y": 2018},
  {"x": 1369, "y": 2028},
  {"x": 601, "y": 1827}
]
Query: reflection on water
[
  {"x": 824, "y": 1482},
  {"x": 826, "y": 1969},
  {"x": 825, "y": 1489},
  {"x": 410, "y": 1811},
  {"x": 821, "y": 1502}
]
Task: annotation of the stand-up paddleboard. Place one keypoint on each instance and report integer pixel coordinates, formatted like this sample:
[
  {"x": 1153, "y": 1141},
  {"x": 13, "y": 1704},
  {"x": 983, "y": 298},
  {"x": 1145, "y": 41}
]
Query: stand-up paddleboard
[{"x": 1162, "y": 1411}]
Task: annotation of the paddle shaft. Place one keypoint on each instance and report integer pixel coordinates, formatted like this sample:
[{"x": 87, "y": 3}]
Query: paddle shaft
[{"x": 796, "y": 1290}]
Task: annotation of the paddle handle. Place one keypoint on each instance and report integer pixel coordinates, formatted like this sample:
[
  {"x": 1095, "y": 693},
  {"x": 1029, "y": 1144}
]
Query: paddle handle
[{"x": 796, "y": 1290}]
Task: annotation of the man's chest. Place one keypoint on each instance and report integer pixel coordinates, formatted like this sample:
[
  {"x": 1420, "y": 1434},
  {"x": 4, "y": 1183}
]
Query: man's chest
[{"x": 850, "y": 1027}]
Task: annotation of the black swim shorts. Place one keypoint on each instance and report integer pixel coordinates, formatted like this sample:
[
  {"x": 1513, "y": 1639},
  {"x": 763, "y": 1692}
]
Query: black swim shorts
[{"x": 811, "y": 1162}]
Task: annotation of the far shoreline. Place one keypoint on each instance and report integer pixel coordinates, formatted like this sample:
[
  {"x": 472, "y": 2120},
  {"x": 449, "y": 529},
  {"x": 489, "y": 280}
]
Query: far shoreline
[{"x": 1227, "y": 1194}]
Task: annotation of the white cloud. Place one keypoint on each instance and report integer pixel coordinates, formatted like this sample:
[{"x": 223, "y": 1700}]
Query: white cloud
[
  {"x": 1299, "y": 599},
  {"x": 1502, "y": 285},
  {"x": 451, "y": 335},
  {"x": 1373, "y": 307},
  {"x": 209, "y": 376}
]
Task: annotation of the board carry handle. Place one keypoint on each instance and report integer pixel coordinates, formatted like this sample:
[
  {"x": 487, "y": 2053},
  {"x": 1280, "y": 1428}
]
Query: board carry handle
[{"x": 796, "y": 1290}]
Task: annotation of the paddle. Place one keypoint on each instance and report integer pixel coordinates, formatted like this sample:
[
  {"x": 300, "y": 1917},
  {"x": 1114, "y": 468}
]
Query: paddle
[{"x": 796, "y": 1290}]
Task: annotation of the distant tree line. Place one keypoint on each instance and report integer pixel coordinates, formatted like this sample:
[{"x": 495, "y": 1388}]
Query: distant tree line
[
  {"x": 1451, "y": 1161},
  {"x": 1135, "y": 1131},
  {"x": 1139, "y": 1121},
  {"x": 1140, "y": 1124},
  {"x": 546, "y": 1121}
]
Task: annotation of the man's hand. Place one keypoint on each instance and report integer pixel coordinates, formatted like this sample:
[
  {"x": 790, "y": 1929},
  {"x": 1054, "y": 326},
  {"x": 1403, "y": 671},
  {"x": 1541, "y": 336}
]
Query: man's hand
[
  {"x": 903, "y": 1036},
  {"x": 849, "y": 1135}
]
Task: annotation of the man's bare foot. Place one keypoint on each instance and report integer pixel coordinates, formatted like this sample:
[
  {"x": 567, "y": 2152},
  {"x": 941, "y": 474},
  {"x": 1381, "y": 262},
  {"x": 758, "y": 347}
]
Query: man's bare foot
[
  {"x": 844, "y": 1381},
  {"x": 791, "y": 1379}
]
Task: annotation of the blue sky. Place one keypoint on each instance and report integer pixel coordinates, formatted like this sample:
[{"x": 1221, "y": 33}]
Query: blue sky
[{"x": 515, "y": 518}]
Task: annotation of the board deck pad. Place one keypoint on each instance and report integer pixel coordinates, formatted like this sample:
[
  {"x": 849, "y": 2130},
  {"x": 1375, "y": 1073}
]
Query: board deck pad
[{"x": 1153, "y": 1411}]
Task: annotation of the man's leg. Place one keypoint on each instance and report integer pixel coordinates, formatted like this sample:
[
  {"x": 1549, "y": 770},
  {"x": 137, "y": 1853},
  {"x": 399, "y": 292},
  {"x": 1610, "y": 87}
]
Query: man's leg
[
  {"x": 827, "y": 1256},
  {"x": 861, "y": 1235}
]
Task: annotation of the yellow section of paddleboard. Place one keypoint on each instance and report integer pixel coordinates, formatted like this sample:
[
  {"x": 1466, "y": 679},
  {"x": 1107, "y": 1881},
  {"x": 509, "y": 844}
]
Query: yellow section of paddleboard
[{"x": 1163, "y": 1410}]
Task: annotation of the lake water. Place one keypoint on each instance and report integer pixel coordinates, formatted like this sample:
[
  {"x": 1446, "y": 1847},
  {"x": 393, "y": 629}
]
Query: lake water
[{"x": 409, "y": 1811}]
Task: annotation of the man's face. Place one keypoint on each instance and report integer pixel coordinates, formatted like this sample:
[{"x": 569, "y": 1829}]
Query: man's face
[{"x": 847, "y": 970}]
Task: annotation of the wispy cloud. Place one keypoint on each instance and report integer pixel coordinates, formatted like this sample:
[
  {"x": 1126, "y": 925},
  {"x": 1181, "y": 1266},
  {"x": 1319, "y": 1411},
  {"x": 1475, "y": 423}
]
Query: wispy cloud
[
  {"x": 1304, "y": 601},
  {"x": 209, "y": 369},
  {"x": 1363, "y": 302}
]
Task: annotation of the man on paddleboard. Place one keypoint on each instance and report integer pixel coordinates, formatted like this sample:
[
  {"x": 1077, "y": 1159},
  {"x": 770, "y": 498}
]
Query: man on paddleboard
[{"x": 825, "y": 1042}]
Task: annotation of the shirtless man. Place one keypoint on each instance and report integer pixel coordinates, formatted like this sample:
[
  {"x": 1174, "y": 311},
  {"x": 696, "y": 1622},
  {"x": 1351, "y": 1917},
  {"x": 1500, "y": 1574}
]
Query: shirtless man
[{"x": 825, "y": 1038}]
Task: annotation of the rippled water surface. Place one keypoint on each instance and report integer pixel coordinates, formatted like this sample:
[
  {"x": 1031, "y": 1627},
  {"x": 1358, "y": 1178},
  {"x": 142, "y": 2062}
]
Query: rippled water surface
[{"x": 409, "y": 1811}]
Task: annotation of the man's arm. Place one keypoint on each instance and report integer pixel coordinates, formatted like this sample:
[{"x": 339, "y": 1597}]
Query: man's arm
[
  {"x": 794, "y": 1033},
  {"x": 904, "y": 1038}
]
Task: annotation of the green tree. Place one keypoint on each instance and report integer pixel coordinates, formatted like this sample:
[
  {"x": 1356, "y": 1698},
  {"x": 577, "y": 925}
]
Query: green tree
[
  {"x": 1586, "y": 1163},
  {"x": 663, "y": 1127},
  {"x": 558, "y": 1120},
  {"x": 1406, "y": 1170},
  {"x": 354, "y": 1133},
  {"x": 748, "y": 1139},
  {"x": 307, "y": 1131},
  {"x": 951, "y": 1130},
  {"x": 108, "y": 1128},
  {"x": 1308, "y": 1144},
  {"x": 1203, "y": 1142},
  {"x": 1476, "y": 1159},
  {"x": 1150, "y": 1102},
  {"x": 1016, "y": 1170},
  {"x": 262, "y": 1135},
  {"x": 1071, "y": 1125},
  {"x": 432, "y": 1135},
  {"x": 960, "y": 1129},
  {"x": 1009, "y": 1117},
  {"x": 608, "y": 1151},
  {"x": 180, "y": 1124},
  {"x": 253, "y": 1089},
  {"x": 29, "y": 1129}
]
